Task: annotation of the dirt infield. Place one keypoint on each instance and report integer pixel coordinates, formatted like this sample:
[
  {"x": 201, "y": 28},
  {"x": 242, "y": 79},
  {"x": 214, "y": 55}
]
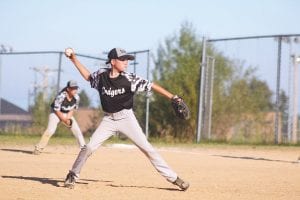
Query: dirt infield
[{"x": 118, "y": 172}]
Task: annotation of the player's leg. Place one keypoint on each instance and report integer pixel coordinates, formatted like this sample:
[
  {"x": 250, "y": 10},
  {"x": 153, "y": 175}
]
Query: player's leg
[
  {"x": 133, "y": 131},
  {"x": 105, "y": 130},
  {"x": 52, "y": 125},
  {"x": 131, "y": 128},
  {"x": 77, "y": 133}
]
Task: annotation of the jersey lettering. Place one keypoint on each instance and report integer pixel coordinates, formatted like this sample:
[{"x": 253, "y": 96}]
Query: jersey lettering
[
  {"x": 112, "y": 93},
  {"x": 117, "y": 93}
]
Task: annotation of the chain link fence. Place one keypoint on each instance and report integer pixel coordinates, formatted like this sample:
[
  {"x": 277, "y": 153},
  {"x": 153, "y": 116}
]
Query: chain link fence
[
  {"x": 25, "y": 75},
  {"x": 268, "y": 63}
]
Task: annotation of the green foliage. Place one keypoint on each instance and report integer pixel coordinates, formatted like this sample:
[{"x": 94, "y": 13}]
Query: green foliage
[
  {"x": 40, "y": 111},
  {"x": 237, "y": 92},
  {"x": 84, "y": 99},
  {"x": 177, "y": 70},
  {"x": 139, "y": 108},
  {"x": 283, "y": 108},
  {"x": 236, "y": 99}
]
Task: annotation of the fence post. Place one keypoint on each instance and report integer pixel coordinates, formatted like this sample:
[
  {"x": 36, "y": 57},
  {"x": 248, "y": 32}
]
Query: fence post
[
  {"x": 59, "y": 72},
  {"x": 276, "y": 133},
  {"x": 201, "y": 89}
]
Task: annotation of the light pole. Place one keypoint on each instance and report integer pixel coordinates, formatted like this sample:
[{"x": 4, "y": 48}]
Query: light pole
[
  {"x": 3, "y": 49},
  {"x": 201, "y": 89},
  {"x": 296, "y": 61},
  {"x": 292, "y": 92}
]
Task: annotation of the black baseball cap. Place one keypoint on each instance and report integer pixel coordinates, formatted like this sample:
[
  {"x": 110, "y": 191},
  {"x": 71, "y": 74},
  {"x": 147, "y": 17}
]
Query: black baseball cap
[
  {"x": 116, "y": 53},
  {"x": 72, "y": 84}
]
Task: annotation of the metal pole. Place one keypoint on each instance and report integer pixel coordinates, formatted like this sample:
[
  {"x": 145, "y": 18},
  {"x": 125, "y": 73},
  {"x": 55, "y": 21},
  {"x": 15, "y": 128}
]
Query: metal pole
[
  {"x": 4, "y": 49},
  {"x": 49, "y": 52},
  {"x": 201, "y": 88},
  {"x": 295, "y": 99},
  {"x": 0, "y": 82},
  {"x": 59, "y": 72},
  {"x": 290, "y": 107},
  {"x": 134, "y": 63},
  {"x": 147, "y": 99},
  {"x": 211, "y": 97},
  {"x": 253, "y": 37},
  {"x": 276, "y": 134}
]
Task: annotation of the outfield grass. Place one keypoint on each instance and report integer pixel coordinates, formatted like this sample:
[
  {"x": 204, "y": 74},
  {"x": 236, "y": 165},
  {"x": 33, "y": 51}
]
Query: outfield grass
[
  {"x": 22, "y": 139},
  {"x": 11, "y": 139}
]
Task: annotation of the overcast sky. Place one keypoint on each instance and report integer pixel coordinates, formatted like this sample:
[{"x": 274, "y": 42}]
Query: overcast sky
[{"x": 95, "y": 26}]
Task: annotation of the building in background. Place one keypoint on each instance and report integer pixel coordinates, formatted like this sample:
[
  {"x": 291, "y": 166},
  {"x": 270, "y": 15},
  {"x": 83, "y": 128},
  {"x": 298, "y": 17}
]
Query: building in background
[{"x": 13, "y": 116}]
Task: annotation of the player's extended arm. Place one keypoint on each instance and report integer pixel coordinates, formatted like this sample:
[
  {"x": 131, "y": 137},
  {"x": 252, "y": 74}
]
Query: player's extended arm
[
  {"x": 70, "y": 53},
  {"x": 162, "y": 91}
]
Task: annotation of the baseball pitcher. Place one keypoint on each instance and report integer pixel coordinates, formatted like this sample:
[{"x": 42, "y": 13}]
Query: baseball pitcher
[{"x": 116, "y": 88}]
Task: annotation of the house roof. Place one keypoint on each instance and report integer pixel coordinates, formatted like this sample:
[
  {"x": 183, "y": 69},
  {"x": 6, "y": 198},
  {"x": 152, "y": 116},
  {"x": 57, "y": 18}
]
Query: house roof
[{"x": 10, "y": 108}]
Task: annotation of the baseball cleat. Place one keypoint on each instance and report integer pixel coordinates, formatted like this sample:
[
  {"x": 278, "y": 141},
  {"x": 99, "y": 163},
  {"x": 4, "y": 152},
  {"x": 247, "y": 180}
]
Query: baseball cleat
[
  {"x": 70, "y": 180},
  {"x": 183, "y": 185},
  {"x": 37, "y": 151}
]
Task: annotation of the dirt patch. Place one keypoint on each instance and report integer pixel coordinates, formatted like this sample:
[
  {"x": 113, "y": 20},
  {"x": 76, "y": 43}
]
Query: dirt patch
[{"x": 119, "y": 172}]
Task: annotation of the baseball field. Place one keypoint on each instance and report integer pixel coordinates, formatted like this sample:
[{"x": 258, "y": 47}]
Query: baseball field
[{"x": 119, "y": 171}]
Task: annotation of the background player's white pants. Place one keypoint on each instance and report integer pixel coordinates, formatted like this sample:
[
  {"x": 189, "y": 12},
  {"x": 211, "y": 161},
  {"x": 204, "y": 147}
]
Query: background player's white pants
[
  {"x": 125, "y": 122},
  {"x": 52, "y": 125}
]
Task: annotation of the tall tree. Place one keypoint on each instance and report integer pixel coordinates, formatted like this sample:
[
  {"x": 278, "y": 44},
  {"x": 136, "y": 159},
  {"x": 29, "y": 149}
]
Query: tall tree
[{"x": 177, "y": 68}]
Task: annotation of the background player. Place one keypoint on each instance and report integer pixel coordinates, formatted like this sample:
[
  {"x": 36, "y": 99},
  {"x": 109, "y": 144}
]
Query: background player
[
  {"x": 62, "y": 110},
  {"x": 116, "y": 89}
]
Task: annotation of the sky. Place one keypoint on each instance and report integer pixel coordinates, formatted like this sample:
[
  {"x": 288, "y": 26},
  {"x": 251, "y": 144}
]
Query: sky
[{"x": 95, "y": 26}]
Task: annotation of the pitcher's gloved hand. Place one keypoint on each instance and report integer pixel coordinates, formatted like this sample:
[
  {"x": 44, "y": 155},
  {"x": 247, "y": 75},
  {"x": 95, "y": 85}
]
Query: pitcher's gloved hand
[{"x": 180, "y": 107}]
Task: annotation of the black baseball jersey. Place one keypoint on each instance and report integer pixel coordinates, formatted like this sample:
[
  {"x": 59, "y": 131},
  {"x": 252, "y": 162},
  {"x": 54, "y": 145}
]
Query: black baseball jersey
[
  {"x": 61, "y": 102},
  {"x": 117, "y": 93}
]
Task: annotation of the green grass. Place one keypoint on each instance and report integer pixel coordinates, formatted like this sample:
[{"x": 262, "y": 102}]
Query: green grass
[
  {"x": 28, "y": 139},
  {"x": 23, "y": 139},
  {"x": 12, "y": 139}
]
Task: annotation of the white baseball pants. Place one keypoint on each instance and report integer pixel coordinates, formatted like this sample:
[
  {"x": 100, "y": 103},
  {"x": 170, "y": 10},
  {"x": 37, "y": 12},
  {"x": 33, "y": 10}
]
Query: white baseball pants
[
  {"x": 126, "y": 123},
  {"x": 51, "y": 128}
]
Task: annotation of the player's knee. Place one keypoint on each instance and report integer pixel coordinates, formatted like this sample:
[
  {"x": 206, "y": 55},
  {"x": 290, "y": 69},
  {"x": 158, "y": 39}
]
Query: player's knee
[
  {"x": 89, "y": 150},
  {"x": 49, "y": 132},
  {"x": 148, "y": 151}
]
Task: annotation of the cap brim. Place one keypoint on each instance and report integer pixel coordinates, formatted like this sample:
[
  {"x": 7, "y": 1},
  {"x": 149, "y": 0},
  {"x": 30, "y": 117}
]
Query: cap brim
[{"x": 128, "y": 57}]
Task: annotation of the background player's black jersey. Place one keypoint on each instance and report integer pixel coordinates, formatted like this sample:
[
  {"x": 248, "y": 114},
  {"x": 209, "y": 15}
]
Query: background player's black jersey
[
  {"x": 117, "y": 93},
  {"x": 61, "y": 103}
]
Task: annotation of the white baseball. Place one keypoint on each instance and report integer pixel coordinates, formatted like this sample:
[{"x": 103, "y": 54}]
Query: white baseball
[{"x": 69, "y": 52}]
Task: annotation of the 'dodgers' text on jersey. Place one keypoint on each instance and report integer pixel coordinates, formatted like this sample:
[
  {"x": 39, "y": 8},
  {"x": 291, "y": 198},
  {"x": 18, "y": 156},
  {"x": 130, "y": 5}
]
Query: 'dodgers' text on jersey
[{"x": 117, "y": 93}]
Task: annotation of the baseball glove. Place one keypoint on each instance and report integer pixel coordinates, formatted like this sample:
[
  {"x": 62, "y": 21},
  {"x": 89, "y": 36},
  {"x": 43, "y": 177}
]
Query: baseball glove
[
  {"x": 68, "y": 124},
  {"x": 181, "y": 109}
]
